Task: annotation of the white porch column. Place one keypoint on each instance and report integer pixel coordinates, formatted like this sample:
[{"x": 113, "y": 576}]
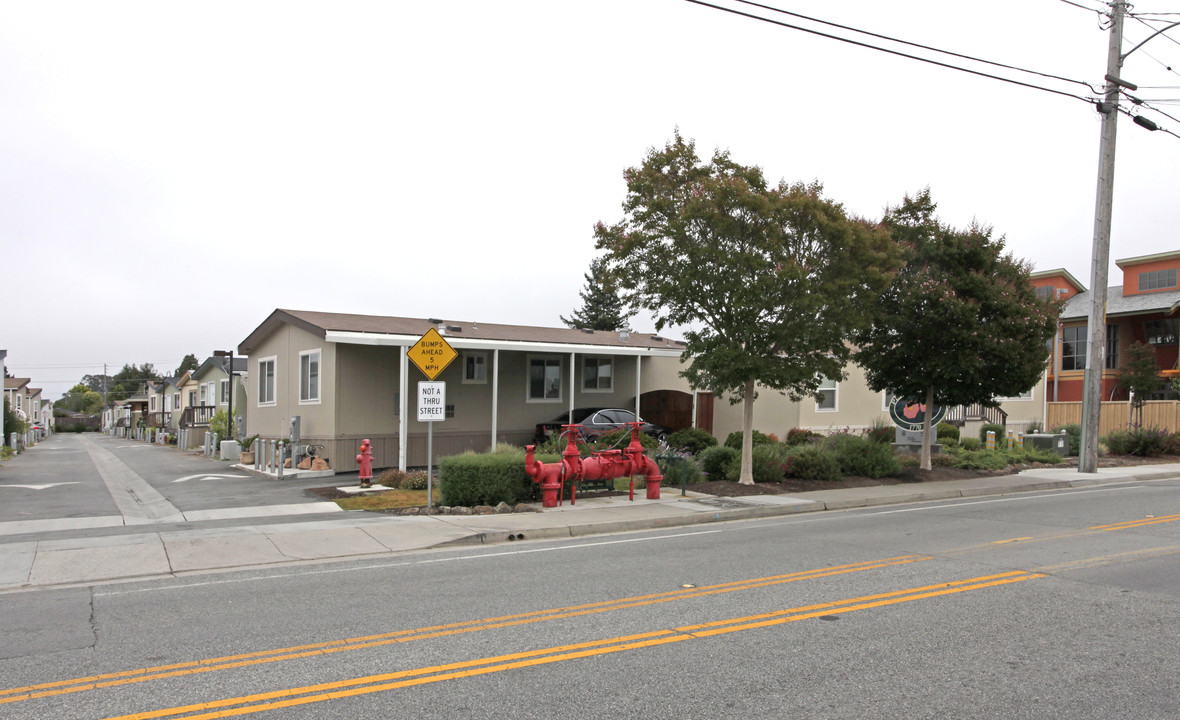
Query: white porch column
[
  {"x": 403, "y": 444},
  {"x": 573, "y": 374},
  {"x": 638, "y": 384},
  {"x": 495, "y": 392}
]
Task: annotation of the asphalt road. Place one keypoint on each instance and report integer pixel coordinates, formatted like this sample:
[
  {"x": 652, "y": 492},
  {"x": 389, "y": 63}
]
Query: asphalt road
[
  {"x": 92, "y": 475},
  {"x": 1062, "y": 604}
]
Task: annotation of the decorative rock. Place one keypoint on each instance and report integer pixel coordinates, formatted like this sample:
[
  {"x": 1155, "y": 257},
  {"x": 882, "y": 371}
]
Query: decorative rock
[
  {"x": 483, "y": 510},
  {"x": 503, "y": 508},
  {"x": 524, "y": 507},
  {"x": 460, "y": 510},
  {"x": 412, "y": 511},
  {"x": 319, "y": 464}
]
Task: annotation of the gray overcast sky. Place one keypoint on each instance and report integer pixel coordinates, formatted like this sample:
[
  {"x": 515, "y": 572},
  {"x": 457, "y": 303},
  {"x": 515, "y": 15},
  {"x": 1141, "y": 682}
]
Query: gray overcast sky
[{"x": 172, "y": 172}]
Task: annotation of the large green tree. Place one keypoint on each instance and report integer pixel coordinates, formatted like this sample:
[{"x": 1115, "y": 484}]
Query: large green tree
[
  {"x": 602, "y": 308},
  {"x": 126, "y": 382},
  {"x": 770, "y": 280},
  {"x": 960, "y": 323},
  {"x": 189, "y": 362},
  {"x": 81, "y": 399}
]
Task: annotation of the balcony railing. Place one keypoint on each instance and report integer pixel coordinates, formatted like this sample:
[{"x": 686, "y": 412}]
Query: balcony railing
[
  {"x": 960, "y": 414},
  {"x": 197, "y": 416},
  {"x": 158, "y": 419}
]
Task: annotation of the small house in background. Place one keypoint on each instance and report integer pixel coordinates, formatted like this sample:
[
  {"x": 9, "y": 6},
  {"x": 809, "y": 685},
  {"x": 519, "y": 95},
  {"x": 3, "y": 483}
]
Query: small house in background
[
  {"x": 346, "y": 378},
  {"x": 1142, "y": 308}
]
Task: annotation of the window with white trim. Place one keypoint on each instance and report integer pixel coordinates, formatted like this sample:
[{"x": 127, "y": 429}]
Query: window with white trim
[
  {"x": 826, "y": 400},
  {"x": 309, "y": 376},
  {"x": 201, "y": 388},
  {"x": 224, "y": 391},
  {"x": 544, "y": 378},
  {"x": 598, "y": 374},
  {"x": 266, "y": 381},
  {"x": 152, "y": 402},
  {"x": 475, "y": 368},
  {"x": 211, "y": 393}
]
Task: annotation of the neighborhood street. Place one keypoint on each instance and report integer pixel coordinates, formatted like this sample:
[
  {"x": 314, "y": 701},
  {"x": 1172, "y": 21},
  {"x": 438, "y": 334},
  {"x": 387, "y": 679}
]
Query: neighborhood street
[{"x": 1058, "y": 603}]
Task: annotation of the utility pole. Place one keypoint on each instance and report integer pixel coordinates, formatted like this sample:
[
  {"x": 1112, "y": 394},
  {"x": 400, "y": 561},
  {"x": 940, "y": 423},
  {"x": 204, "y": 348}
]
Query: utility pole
[{"x": 1100, "y": 258}]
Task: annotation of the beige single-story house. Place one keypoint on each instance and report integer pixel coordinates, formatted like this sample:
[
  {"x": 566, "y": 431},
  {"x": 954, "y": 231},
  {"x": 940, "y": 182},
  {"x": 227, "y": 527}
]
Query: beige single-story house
[{"x": 347, "y": 377}]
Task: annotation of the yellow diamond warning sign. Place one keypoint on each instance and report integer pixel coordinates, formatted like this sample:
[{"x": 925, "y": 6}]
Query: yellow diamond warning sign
[{"x": 431, "y": 354}]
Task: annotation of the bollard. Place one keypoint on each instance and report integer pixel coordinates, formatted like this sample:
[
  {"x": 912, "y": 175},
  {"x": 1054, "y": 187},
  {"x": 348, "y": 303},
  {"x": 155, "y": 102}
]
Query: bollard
[
  {"x": 1019, "y": 441},
  {"x": 1011, "y": 440},
  {"x": 991, "y": 439}
]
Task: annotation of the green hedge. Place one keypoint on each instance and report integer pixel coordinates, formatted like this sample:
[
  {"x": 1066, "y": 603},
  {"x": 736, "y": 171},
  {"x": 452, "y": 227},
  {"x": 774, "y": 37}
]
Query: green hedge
[
  {"x": 715, "y": 461},
  {"x": 470, "y": 479},
  {"x": 692, "y": 440},
  {"x": 734, "y": 439}
]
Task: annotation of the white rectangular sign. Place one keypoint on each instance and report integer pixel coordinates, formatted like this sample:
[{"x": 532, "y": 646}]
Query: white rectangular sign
[{"x": 432, "y": 401}]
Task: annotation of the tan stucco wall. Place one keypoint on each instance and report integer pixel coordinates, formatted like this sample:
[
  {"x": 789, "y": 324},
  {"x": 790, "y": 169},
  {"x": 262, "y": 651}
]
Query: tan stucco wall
[{"x": 316, "y": 420}]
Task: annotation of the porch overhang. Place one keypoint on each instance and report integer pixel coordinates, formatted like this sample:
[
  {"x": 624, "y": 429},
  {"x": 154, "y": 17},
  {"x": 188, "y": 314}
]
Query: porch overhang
[{"x": 462, "y": 343}]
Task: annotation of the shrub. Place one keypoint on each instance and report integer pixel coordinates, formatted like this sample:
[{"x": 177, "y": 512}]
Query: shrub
[
  {"x": 1074, "y": 435},
  {"x": 980, "y": 460},
  {"x": 1029, "y": 455},
  {"x": 1118, "y": 443},
  {"x": 734, "y": 439},
  {"x": 394, "y": 478},
  {"x": 999, "y": 430},
  {"x": 858, "y": 455},
  {"x": 768, "y": 465},
  {"x": 1033, "y": 428},
  {"x": 715, "y": 461},
  {"x": 946, "y": 430},
  {"x": 799, "y": 436},
  {"x": 881, "y": 432},
  {"x": 1172, "y": 444},
  {"x": 692, "y": 440},
  {"x": 814, "y": 463},
  {"x": 470, "y": 479},
  {"x": 1147, "y": 442},
  {"x": 675, "y": 467},
  {"x": 970, "y": 443}
]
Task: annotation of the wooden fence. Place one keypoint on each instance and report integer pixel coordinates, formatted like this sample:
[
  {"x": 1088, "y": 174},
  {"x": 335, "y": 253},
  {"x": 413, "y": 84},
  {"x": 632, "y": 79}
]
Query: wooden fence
[{"x": 1162, "y": 414}]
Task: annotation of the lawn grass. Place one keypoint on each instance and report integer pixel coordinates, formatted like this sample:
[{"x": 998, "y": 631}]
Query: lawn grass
[{"x": 386, "y": 500}]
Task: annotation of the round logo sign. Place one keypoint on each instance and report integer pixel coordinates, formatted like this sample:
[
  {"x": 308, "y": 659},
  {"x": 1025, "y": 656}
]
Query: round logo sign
[{"x": 910, "y": 414}]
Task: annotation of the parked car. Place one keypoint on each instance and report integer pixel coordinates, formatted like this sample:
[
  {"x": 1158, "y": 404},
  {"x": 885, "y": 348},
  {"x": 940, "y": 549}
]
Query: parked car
[{"x": 596, "y": 422}]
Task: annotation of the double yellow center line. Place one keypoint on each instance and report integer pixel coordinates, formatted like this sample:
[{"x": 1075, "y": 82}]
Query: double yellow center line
[
  {"x": 309, "y": 694},
  {"x": 127, "y": 677}
]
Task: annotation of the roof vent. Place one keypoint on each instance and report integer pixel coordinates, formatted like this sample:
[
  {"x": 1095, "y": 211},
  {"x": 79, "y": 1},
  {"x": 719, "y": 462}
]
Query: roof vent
[
  {"x": 454, "y": 328},
  {"x": 625, "y": 336},
  {"x": 588, "y": 331},
  {"x": 657, "y": 338},
  {"x": 435, "y": 321}
]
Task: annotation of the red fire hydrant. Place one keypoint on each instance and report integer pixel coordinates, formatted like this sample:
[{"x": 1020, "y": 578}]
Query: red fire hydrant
[
  {"x": 365, "y": 460},
  {"x": 601, "y": 465}
]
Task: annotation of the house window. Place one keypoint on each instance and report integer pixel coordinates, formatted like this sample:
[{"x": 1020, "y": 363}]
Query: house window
[
  {"x": 1026, "y": 395},
  {"x": 167, "y": 403},
  {"x": 203, "y": 397},
  {"x": 1045, "y": 293},
  {"x": 266, "y": 381},
  {"x": 1157, "y": 280},
  {"x": 1160, "y": 332},
  {"x": 309, "y": 376},
  {"x": 1073, "y": 348},
  {"x": 1112, "y": 347},
  {"x": 210, "y": 393},
  {"x": 176, "y": 401},
  {"x": 152, "y": 402},
  {"x": 826, "y": 401},
  {"x": 544, "y": 379},
  {"x": 598, "y": 374},
  {"x": 225, "y": 391},
  {"x": 475, "y": 368},
  {"x": 192, "y": 398}
]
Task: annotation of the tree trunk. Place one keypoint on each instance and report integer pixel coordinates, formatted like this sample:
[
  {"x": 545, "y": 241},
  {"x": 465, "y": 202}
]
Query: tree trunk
[
  {"x": 926, "y": 464},
  {"x": 747, "y": 475}
]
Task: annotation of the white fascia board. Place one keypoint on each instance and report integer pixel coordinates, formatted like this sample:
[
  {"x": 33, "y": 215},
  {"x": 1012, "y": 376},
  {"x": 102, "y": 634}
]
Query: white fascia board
[{"x": 460, "y": 343}]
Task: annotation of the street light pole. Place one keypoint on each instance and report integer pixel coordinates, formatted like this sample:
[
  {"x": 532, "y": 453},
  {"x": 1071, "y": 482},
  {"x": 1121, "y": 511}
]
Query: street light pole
[{"x": 1100, "y": 257}]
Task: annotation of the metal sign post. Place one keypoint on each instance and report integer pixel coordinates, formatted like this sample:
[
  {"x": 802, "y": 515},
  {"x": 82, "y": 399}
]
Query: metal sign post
[
  {"x": 432, "y": 408},
  {"x": 431, "y": 354}
]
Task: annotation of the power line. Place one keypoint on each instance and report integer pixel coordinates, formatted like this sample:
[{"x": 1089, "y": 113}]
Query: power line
[
  {"x": 1078, "y": 5},
  {"x": 887, "y": 50},
  {"x": 917, "y": 45}
]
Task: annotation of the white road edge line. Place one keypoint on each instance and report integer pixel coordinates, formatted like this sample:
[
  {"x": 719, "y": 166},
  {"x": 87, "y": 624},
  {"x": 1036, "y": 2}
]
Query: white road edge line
[{"x": 384, "y": 566}]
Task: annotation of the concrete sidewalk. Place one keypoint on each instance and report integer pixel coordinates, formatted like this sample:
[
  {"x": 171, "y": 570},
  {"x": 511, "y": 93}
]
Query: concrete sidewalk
[{"x": 144, "y": 553}]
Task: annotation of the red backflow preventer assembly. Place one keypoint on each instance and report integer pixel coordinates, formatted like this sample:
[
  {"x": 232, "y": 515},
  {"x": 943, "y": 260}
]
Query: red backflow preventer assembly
[{"x": 601, "y": 465}]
